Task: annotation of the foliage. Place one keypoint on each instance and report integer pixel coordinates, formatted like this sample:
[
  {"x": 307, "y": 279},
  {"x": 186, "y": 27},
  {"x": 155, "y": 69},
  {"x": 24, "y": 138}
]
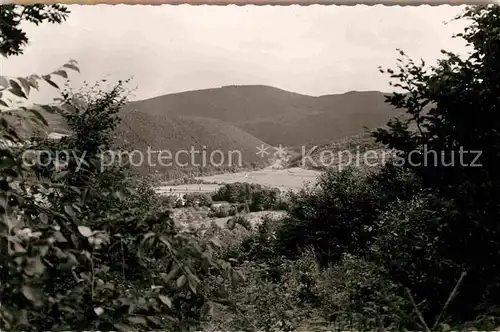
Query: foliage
[
  {"x": 76, "y": 270},
  {"x": 359, "y": 295},
  {"x": 86, "y": 247},
  {"x": 222, "y": 211},
  {"x": 339, "y": 215},
  {"x": 258, "y": 246},
  {"x": 198, "y": 199},
  {"x": 452, "y": 108},
  {"x": 12, "y": 37},
  {"x": 239, "y": 219},
  {"x": 258, "y": 198},
  {"x": 412, "y": 247},
  {"x": 263, "y": 302},
  {"x": 409, "y": 246}
]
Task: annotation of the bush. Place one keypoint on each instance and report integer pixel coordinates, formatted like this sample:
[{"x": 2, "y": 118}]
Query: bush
[
  {"x": 259, "y": 245},
  {"x": 90, "y": 249},
  {"x": 257, "y": 197},
  {"x": 267, "y": 300},
  {"x": 339, "y": 215},
  {"x": 359, "y": 295},
  {"x": 222, "y": 211},
  {"x": 239, "y": 219},
  {"x": 198, "y": 199},
  {"x": 411, "y": 247},
  {"x": 451, "y": 108}
]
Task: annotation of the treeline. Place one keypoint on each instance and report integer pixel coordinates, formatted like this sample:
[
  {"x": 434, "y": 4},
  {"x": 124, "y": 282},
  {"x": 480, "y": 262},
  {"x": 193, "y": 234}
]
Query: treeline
[
  {"x": 241, "y": 197},
  {"x": 185, "y": 175}
]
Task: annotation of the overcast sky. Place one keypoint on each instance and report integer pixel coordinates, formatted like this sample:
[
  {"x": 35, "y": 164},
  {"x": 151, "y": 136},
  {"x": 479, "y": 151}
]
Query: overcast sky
[{"x": 312, "y": 50}]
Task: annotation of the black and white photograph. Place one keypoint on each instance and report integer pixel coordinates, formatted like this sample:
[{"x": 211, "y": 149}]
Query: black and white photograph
[{"x": 249, "y": 168}]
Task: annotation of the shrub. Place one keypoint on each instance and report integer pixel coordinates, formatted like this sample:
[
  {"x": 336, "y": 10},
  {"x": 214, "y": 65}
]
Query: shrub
[
  {"x": 222, "y": 211},
  {"x": 257, "y": 197},
  {"x": 261, "y": 301},
  {"x": 410, "y": 246},
  {"x": 239, "y": 219},
  {"x": 94, "y": 251},
  {"x": 359, "y": 295},
  {"x": 198, "y": 199},
  {"x": 449, "y": 109}
]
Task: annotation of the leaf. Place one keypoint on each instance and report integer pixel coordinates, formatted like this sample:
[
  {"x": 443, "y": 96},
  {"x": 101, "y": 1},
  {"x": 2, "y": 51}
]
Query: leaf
[
  {"x": 47, "y": 108},
  {"x": 215, "y": 241},
  {"x": 138, "y": 320},
  {"x": 34, "y": 77},
  {"x": 181, "y": 281},
  {"x": 154, "y": 320},
  {"x": 123, "y": 327},
  {"x": 16, "y": 89},
  {"x": 71, "y": 66},
  {"x": 43, "y": 217},
  {"x": 207, "y": 309},
  {"x": 99, "y": 311},
  {"x": 4, "y": 83},
  {"x": 60, "y": 175},
  {"x": 3, "y": 200},
  {"x": 33, "y": 81},
  {"x": 61, "y": 73},
  {"x": 34, "y": 266},
  {"x": 59, "y": 237},
  {"x": 119, "y": 194},
  {"x": 69, "y": 211},
  {"x": 165, "y": 241},
  {"x": 192, "y": 285},
  {"x": 39, "y": 117},
  {"x": 30, "y": 293},
  {"x": 85, "y": 231},
  {"x": 48, "y": 80},
  {"x": 171, "y": 274},
  {"x": 166, "y": 300},
  {"x": 25, "y": 84},
  {"x": 19, "y": 248}
]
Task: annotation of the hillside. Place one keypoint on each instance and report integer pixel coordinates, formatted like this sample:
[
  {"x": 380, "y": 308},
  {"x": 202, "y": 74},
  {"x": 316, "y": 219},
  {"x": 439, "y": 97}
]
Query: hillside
[
  {"x": 25, "y": 128},
  {"x": 139, "y": 130},
  {"x": 239, "y": 118},
  {"x": 230, "y": 103},
  {"x": 277, "y": 116},
  {"x": 347, "y": 150}
]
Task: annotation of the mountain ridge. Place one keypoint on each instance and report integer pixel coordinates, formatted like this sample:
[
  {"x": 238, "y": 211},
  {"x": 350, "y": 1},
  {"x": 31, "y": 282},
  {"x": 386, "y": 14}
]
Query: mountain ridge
[
  {"x": 277, "y": 116},
  {"x": 243, "y": 117}
]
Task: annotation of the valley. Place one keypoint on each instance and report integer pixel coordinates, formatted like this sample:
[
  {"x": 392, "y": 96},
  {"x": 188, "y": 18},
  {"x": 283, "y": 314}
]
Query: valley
[{"x": 283, "y": 179}]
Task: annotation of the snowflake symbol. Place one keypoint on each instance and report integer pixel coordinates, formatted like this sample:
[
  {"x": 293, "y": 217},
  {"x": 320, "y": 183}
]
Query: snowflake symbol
[
  {"x": 262, "y": 150},
  {"x": 281, "y": 151}
]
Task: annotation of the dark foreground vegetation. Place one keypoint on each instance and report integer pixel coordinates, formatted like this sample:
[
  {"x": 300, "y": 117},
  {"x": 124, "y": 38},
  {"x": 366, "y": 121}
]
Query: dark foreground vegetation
[{"x": 400, "y": 248}]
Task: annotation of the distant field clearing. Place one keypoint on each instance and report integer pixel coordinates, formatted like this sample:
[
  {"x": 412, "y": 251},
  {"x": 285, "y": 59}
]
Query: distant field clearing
[
  {"x": 285, "y": 179},
  {"x": 292, "y": 178}
]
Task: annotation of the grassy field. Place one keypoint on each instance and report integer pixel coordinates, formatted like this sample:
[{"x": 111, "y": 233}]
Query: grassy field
[
  {"x": 284, "y": 179},
  {"x": 292, "y": 178}
]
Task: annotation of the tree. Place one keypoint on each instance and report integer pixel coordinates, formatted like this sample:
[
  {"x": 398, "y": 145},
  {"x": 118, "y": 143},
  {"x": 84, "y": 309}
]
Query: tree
[
  {"x": 12, "y": 37},
  {"x": 451, "y": 108},
  {"x": 94, "y": 251}
]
